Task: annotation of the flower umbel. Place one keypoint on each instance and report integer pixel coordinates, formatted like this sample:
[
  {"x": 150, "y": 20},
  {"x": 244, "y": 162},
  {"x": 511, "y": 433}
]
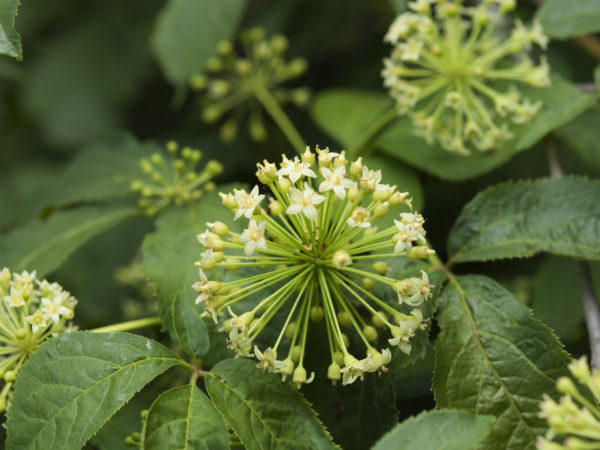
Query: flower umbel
[
  {"x": 31, "y": 311},
  {"x": 574, "y": 415},
  {"x": 174, "y": 180},
  {"x": 318, "y": 256},
  {"x": 239, "y": 83},
  {"x": 457, "y": 76}
]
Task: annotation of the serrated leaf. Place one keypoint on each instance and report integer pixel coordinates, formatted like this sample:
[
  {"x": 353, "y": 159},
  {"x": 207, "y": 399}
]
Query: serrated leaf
[
  {"x": 188, "y": 31},
  {"x": 562, "y": 20},
  {"x": 434, "y": 430},
  {"x": 75, "y": 382},
  {"x": 263, "y": 411},
  {"x": 492, "y": 357},
  {"x": 562, "y": 103},
  {"x": 168, "y": 256},
  {"x": 44, "y": 245},
  {"x": 101, "y": 171},
  {"x": 188, "y": 326},
  {"x": 510, "y": 220},
  {"x": 10, "y": 41},
  {"x": 184, "y": 418}
]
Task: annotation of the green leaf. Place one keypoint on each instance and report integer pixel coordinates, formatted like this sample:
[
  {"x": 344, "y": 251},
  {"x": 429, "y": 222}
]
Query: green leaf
[
  {"x": 75, "y": 382},
  {"x": 555, "y": 296},
  {"x": 582, "y": 135},
  {"x": 188, "y": 31},
  {"x": 434, "y": 430},
  {"x": 562, "y": 103},
  {"x": 184, "y": 418},
  {"x": 168, "y": 262},
  {"x": 263, "y": 411},
  {"x": 44, "y": 245},
  {"x": 562, "y": 20},
  {"x": 492, "y": 357},
  {"x": 10, "y": 41},
  {"x": 510, "y": 220},
  {"x": 356, "y": 415},
  {"x": 100, "y": 172}
]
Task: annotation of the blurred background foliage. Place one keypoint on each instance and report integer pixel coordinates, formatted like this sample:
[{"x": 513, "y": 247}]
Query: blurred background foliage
[{"x": 98, "y": 77}]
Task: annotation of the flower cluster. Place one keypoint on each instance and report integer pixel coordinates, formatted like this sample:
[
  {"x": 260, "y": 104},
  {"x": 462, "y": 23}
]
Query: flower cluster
[
  {"x": 579, "y": 419},
  {"x": 457, "y": 76},
  {"x": 244, "y": 84},
  {"x": 320, "y": 257},
  {"x": 174, "y": 180},
  {"x": 30, "y": 311}
]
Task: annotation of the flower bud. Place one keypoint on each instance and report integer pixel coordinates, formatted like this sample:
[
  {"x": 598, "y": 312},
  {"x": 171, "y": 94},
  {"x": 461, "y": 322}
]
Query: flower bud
[
  {"x": 370, "y": 333},
  {"x": 333, "y": 372},
  {"x": 220, "y": 228},
  {"x": 9, "y": 376},
  {"x": 338, "y": 358},
  {"x": 266, "y": 172},
  {"x": 308, "y": 157},
  {"x": 295, "y": 353},
  {"x": 380, "y": 267},
  {"x": 341, "y": 258},
  {"x": 378, "y": 319},
  {"x": 228, "y": 201},
  {"x": 316, "y": 314},
  {"x": 299, "y": 376},
  {"x": 356, "y": 167},
  {"x": 284, "y": 185},
  {"x": 213, "y": 167},
  {"x": 381, "y": 210},
  {"x": 275, "y": 208},
  {"x": 565, "y": 385},
  {"x": 353, "y": 193},
  {"x": 344, "y": 319},
  {"x": 368, "y": 284},
  {"x": 289, "y": 331},
  {"x": 421, "y": 252}
]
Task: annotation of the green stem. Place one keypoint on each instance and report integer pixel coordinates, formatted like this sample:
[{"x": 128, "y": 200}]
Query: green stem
[
  {"x": 131, "y": 325},
  {"x": 280, "y": 118},
  {"x": 373, "y": 130}
]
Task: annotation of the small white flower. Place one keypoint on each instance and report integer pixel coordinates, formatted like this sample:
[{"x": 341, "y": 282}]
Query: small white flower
[
  {"x": 304, "y": 201},
  {"x": 37, "y": 321},
  {"x": 370, "y": 179},
  {"x": 414, "y": 291},
  {"x": 54, "y": 309},
  {"x": 353, "y": 369},
  {"x": 15, "y": 299},
  {"x": 325, "y": 156},
  {"x": 335, "y": 180},
  {"x": 254, "y": 237},
  {"x": 239, "y": 342},
  {"x": 247, "y": 202},
  {"x": 202, "y": 288},
  {"x": 295, "y": 170},
  {"x": 359, "y": 218},
  {"x": 268, "y": 360}
]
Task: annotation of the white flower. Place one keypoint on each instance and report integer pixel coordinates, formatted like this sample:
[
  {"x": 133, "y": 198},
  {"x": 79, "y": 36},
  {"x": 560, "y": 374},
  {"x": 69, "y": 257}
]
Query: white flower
[
  {"x": 408, "y": 234},
  {"x": 359, "y": 218},
  {"x": 254, "y": 237},
  {"x": 37, "y": 321},
  {"x": 370, "y": 179},
  {"x": 268, "y": 360},
  {"x": 295, "y": 170},
  {"x": 54, "y": 309},
  {"x": 353, "y": 369},
  {"x": 202, "y": 288},
  {"x": 239, "y": 342},
  {"x": 335, "y": 180},
  {"x": 304, "y": 201},
  {"x": 247, "y": 202},
  {"x": 376, "y": 361},
  {"x": 15, "y": 299},
  {"x": 413, "y": 291}
]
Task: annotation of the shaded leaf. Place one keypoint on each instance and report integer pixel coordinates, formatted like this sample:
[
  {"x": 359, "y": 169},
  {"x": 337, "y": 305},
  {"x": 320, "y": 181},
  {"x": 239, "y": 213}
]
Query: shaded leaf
[
  {"x": 184, "y": 418},
  {"x": 510, "y": 220},
  {"x": 492, "y": 357},
  {"x": 582, "y": 135},
  {"x": 188, "y": 326},
  {"x": 169, "y": 255},
  {"x": 263, "y": 411},
  {"x": 10, "y": 41},
  {"x": 102, "y": 171},
  {"x": 188, "y": 31},
  {"x": 562, "y": 20},
  {"x": 75, "y": 382},
  {"x": 434, "y": 430},
  {"x": 44, "y": 245}
]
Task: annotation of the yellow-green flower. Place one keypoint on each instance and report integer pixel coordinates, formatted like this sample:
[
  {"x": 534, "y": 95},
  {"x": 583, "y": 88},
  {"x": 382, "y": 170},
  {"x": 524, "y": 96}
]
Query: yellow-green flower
[
  {"x": 30, "y": 311},
  {"x": 457, "y": 74},
  {"x": 309, "y": 234}
]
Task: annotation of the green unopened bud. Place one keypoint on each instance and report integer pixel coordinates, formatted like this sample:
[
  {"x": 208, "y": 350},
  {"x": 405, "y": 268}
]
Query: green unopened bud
[
  {"x": 399, "y": 198},
  {"x": 356, "y": 167},
  {"x": 353, "y": 193},
  {"x": 344, "y": 319},
  {"x": 146, "y": 166},
  {"x": 130, "y": 442},
  {"x": 333, "y": 372},
  {"x": 297, "y": 67},
  {"x": 207, "y": 265},
  {"x": 10, "y": 376},
  {"x": 308, "y": 157},
  {"x": 370, "y": 333},
  {"x": 275, "y": 208},
  {"x": 369, "y": 232},
  {"x": 296, "y": 353},
  {"x": 21, "y": 333},
  {"x": 299, "y": 376},
  {"x": 144, "y": 414},
  {"x": 381, "y": 210},
  {"x": 338, "y": 358},
  {"x": 266, "y": 172},
  {"x": 368, "y": 284},
  {"x": 380, "y": 267},
  {"x": 228, "y": 130},
  {"x": 565, "y": 385},
  {"x": 220, "y": 228},
  {"x": 346, "y": 340},
  {"x": 300, "y": 96},
  {"x": 214, "y": 167},
  {"x": 214, "y": 64},
  {"x": 198, "y": 82},
  {"x": 316, "y": 314},
  {"x": 378, "y": 319},
  {"x": 420, "y": 252},
  {"x": 284, "y": 185},
  {"x": 289, "y": 331},
  {"x": 257, "y": 130},
  {"x": 228, "y": 201},
  {"x": 224, "y": 48}
]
